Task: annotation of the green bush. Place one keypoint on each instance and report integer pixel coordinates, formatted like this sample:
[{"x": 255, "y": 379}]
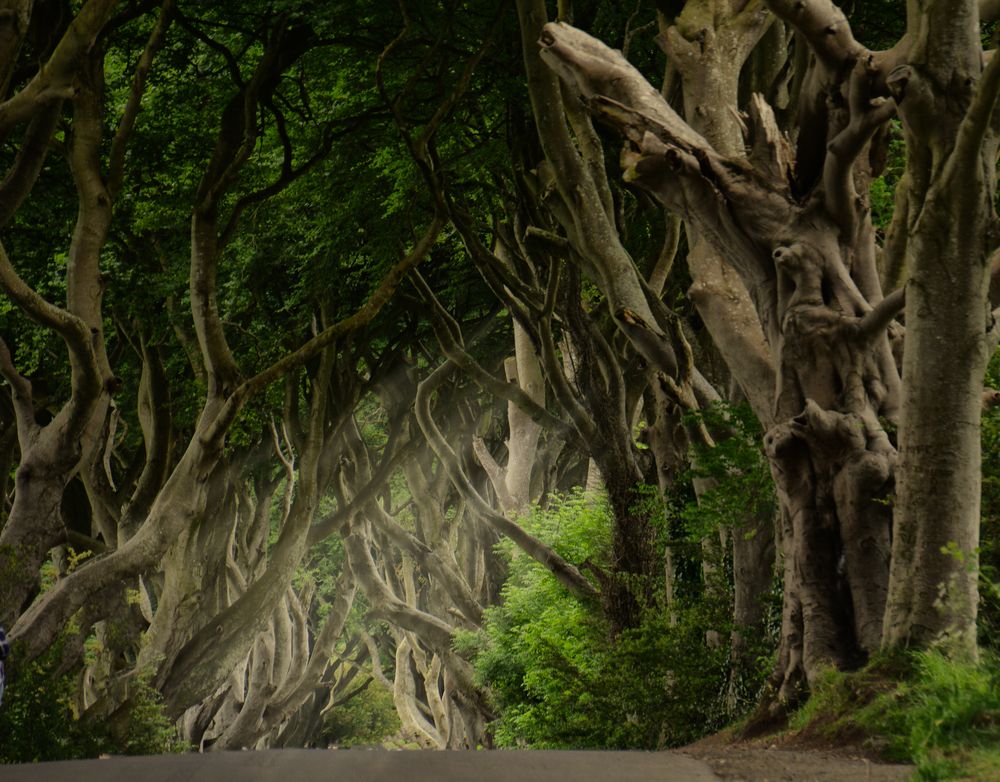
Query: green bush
[
  {"x": 369, "y": 717},
  {"x": 989, "y": 551},
  {"x": 557, "y": 677},
  {"x": 149, "y": 731},
  {"x": 741, "y": 487},
  {"x": 38, "y": 719}
]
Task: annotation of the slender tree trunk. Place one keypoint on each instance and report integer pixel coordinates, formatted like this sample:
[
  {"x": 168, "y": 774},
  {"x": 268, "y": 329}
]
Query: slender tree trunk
[{"x": 522, "y": 446}]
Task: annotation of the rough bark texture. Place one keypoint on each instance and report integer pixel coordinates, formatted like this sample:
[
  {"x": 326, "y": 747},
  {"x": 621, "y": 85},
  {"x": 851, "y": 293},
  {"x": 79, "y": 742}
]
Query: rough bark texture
[
  {"x": 945, "y": 100},
  {"x": 768, "y": 169},
  {"x": 709, "y": 50},
  {"x": 801, "y": 266}
]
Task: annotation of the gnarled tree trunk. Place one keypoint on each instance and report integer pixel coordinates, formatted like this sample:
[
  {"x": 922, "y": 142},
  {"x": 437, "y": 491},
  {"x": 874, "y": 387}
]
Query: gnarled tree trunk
[{"x": 804, "y": 265}]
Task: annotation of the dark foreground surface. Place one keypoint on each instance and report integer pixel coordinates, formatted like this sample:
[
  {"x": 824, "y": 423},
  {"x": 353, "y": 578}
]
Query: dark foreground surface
[{"x": 299, "y": 765}]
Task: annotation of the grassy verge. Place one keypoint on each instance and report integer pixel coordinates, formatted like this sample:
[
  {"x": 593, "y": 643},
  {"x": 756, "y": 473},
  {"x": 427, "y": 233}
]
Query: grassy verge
[{"x": 921, "y": 708}]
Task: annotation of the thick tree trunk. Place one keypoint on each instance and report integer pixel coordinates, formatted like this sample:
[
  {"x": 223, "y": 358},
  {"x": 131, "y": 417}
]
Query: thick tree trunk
[
  {"x": 203, "y": 662},
  {"x": 934, "y": 580},
  {"x": 825, "y": 338},
  {"x": 946, "y": 101},
  {"x": 708, "y": 49},
  {"x": 195, "y": 577},
  {"x": 183, "y": 498},
  {"x": 51, "y": 455}
]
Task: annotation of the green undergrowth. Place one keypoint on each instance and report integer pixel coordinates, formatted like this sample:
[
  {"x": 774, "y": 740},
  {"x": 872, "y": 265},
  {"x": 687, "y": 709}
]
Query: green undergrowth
[
  {"x": 940, "y": 714},
  {"x": 39, "y": 718},
  {"x": 366, "y": 718},
  {"x": 559, "y": 680}
]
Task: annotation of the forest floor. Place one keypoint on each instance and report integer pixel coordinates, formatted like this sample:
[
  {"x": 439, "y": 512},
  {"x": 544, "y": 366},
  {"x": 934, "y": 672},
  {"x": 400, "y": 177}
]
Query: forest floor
[{"x": 788, "y": 758}]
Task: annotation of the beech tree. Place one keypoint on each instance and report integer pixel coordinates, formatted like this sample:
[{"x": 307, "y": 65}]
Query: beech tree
[
  {"x": 787, "y": 220},
  {"x": 243, "y": 197},
  {"x": 167, "y": 529}
]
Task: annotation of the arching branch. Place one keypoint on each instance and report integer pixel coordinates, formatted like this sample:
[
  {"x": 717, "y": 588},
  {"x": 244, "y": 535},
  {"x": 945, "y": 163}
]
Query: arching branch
[{"x": 567, "y": 574}]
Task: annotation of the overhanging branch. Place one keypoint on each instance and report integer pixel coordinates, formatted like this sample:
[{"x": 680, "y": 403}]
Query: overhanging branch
[
  {"x": 566, "y": 573},
  {"x": 379, "y": 297}
]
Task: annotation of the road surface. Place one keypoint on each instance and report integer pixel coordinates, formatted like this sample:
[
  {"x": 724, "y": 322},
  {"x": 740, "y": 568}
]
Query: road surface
[{"x": 302, "y": 765}]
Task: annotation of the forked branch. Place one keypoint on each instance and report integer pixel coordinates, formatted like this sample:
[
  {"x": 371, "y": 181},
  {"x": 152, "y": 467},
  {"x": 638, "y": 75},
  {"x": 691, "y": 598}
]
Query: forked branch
[{"x": 566, "y": 573}]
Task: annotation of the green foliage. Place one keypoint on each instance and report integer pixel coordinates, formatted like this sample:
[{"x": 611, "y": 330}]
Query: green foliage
[
  {"x": 924, "y": 707},
  {"x": 878, "y": 24},
  {"x": 989, "y": 550},
  {"x": 883, "y": 187},
  {"x": 39, "y": 719},
  {"x": 741, "y": 488},
  {"x": 559, "y": 680},
  {"x": 36, "y": 719},
  {"x": 368, "y": 717},
  {"x": 149, "y": 731}
]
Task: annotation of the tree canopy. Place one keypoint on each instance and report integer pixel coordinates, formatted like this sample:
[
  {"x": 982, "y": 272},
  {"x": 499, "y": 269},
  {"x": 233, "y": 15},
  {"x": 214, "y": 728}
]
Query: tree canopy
[{"x": 502, "y": 361}]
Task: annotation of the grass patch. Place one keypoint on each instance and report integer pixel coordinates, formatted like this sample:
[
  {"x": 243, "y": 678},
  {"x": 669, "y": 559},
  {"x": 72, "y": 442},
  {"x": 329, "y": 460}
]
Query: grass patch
[{"x": 923, "y": 708}]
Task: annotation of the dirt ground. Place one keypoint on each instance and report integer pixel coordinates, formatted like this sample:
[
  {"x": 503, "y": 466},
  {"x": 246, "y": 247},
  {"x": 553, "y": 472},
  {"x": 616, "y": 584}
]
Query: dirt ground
[
  {"x": 744, "y": 764},
  {"x": 767, "y": 760}
]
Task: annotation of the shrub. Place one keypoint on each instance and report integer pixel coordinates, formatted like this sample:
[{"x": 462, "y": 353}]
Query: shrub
[
  {"x": 39, "y": 721},
  {"x": 559, "y": 680},
  {"x": 989, "y": 553},
  {"x": 149, "y": 730},
  {"x": 368, "y": 717},
  {"x": 36, "y": 718}
]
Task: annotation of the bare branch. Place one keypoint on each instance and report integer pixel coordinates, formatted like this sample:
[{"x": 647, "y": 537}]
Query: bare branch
[
  {"x": 338, "y": 520},
  {"x": 964, "y": 159},
  {"x": 21, "y": 396},
  {"x": 591, "y": 150},
  {"x": 287, "y": 700},
  {"x": 546, "y": 98},
  {"x": 434, "y": 631},
  {"x": 823, "y": 25},
  {"x": 867, "y": 114},
  {"x": 155, "y": 420},
  {"x": 239, "y": 128},
  {"x": 379, "y": 297},
  {"x": 593, "y": 69},
  {"x": 874, "y": 323},
  {"x": 87, "y": 383},
  {"x": 582, "y": 420},
  {"x": 448, "y": 577},
  {"x": 567, "y": 574},
  {"x": 231, "y": 62},
  {"x": 31, "y": 156},
  {"x": 464, "y": 79},
  {"x": 450, "y": 340},
  {"x": 287, "y": 177},
  {"x": 15, "y": 19},
  {"x": 496, "y": 473}
]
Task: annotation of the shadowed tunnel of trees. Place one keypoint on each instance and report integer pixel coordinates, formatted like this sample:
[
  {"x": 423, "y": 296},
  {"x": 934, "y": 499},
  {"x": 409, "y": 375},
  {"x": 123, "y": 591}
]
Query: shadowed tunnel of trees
[{"x": 477, "y": 374}]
